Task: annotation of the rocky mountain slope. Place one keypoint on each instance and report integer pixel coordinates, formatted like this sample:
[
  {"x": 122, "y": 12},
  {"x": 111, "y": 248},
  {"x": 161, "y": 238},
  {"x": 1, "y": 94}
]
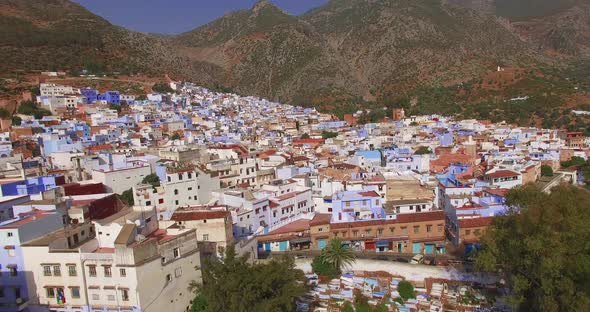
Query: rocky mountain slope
[{"x": 338, "y": 57}]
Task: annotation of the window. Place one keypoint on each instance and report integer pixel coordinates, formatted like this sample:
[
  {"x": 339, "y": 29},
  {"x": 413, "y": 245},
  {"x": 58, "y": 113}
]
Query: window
[
  {"x": 92, "y": 270},
  {"x": 11, "y": 252},
  {"x": 161, "y": 200},
  {"x": 168, "y": 278},
  {"x": 1, "y": 292},
  {"x": 368, "y": 232},
  {"x": 392, "y": 230},
  {"x": 417, "y": 229},
  {"x": 467, "y": 232},
  {"x": 347, "y": 204},
  {"x": 190, "y": 189},
  {"x": 429, "y": 228},
  {"x": 355, "y": 233},
  {"x": 379, "y": 231},
  {"x": 148, "y": 203},
  {"x": 177, "y": 253},
  {"x": 95, "y": 297},
  {"x": 107, "y": 271},
  {"x": 205, "y": 237},
  {"x": 439, "y": 228},
  {"x": 180, "y": 176},
  {"x": 111, "y": 297},
  {"x": 46, "y": 270},
  {"x": 124, "y": 294},
  {"x": 190, "y": 175},
  {"x": 75, "y": 292},
  {"x": 72, "y": 270},
  {"x": 50, "y": 292},
  {"x": 176, "y": 202},
  {"x": 404, "y": 230},
  {"x": 56, "y": 270},
  {"x": 320, "y": 229},
  {"x": 122, "y": 272},
  {"x": 477, "y": 232},
  {"x": 9, "y": 234},
  {"x": 176, "y": 192}
]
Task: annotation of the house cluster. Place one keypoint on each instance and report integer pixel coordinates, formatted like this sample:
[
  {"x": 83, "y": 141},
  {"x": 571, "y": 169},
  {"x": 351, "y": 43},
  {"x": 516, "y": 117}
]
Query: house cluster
[{"x": 112, "y": 203}]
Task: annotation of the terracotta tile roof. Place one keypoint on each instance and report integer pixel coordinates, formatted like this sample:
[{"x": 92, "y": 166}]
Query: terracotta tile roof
[
  {"x": 421, "y": 216},
  {"x": 369, "y": 194},
  {"x": 475, "y": 222},
  {"x": 321, "y": 218},
  {"x": 295, "y": 226},
  {"x": 188, "y": 215}
]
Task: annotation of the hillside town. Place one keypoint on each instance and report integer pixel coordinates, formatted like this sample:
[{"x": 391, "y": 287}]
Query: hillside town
[{"x": 113, "y": 201}]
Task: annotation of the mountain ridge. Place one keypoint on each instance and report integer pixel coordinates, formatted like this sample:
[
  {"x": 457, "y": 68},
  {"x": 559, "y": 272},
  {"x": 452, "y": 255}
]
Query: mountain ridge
[{"x": 339, "y": 57}]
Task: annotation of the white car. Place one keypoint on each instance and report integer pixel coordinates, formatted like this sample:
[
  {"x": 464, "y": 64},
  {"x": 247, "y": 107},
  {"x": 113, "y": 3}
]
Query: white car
[{"x": 419, "y": 258}]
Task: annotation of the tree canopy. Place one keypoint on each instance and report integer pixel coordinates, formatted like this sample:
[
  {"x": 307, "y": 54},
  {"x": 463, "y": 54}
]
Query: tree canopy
[
  {"x": 329, "y": 134},
  {"x": 151, "y": 179},
  {"x": 234, "y": 285},
  {"x": 546, "y": 171},
  {"x": 29, "y": 108},
  {"x": 127, "y": 197},
  {"x": 338, "y": 256},
  {"x": 541, "y": 247},
  {"x": 423, "y": 150}
]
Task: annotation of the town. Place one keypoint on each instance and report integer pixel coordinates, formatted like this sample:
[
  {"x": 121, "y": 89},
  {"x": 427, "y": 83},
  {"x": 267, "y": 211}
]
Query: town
[{"x": 112, "y": 201}]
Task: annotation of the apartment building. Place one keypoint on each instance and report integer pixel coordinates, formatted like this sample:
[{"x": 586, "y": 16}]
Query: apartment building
[{"x": 134, "y": 267}]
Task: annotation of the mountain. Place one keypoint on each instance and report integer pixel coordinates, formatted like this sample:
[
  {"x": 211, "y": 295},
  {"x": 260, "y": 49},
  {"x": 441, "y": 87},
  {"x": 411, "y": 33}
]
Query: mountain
[
  {"x": 353, "y": 48},
  {"x": 557, "y": 27},
  {"x": 60, "y": 34},
  {"x": 430, "y": 56}
]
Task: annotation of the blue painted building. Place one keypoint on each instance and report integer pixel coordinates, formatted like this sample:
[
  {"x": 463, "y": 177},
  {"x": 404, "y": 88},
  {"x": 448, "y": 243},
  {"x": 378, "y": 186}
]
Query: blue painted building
[
  {"x": 31, "y": 186},
  {"x": 112, "y": 97},
  {"x": 91, "y": 95},
  {"x": 348, "y": 206}
]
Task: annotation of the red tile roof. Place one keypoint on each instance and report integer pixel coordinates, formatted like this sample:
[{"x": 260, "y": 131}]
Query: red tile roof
[
  {"x": 188, "y": 215},
  {"x": 321, "y": 218},
  {"x": 421, "y": 216},
  {"x": 369, "y": 194},
  {"x": 295, "y": 226},
  {"x": 475, "y": 222}
]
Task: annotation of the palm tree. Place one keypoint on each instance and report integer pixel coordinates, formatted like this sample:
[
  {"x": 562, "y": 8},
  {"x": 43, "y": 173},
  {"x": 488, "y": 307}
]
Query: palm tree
[{"x": 336, "y": 255}]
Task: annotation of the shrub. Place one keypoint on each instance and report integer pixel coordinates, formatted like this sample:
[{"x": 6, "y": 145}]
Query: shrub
[
  {"x": 546, "y": 171},
  {"x": 320, "y": 267},
  {"x": 406, "y": 290}
]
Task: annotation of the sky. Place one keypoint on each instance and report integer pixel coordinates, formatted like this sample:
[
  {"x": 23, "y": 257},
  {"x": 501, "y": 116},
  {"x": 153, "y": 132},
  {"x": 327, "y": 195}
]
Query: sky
[{"x": 176, "y": 16}]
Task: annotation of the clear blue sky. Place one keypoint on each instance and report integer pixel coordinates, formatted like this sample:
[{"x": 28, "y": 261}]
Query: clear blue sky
[{"x": 176, "y": 16}]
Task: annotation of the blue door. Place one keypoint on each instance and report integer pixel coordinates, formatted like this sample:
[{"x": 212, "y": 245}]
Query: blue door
[
  {"x": 283, "y": 246},
  {"x": 321, "y": 244},
  {"x": 428, "y": 249},
  {"x": 416, "y": 248},
  {"x": 266, "y": 246}
]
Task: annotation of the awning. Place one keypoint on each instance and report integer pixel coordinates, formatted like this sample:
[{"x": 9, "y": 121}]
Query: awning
[{"x": 301, "y": 240}]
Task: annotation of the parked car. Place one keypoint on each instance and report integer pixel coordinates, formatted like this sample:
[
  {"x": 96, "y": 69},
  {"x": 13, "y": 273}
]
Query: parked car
[
  {"x": 404, "y": 260},
  {"x": 419, "y": 258}
]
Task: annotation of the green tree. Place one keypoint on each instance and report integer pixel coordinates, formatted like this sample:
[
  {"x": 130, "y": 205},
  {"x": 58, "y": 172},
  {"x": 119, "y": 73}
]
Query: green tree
[
  {"x": 16, "y": 121},
  {"x": 406, "y": 290},
  {"x": 329, "y": 134},
  {"x": 232, "y": 284},
  {"x": 338, "y": 256},
  {"x": 574, "y": 161},
  {"x": 305, "y": 136},
  {"x": 321, "y": 267},
  {"x": 127, "y": 197},
  {"x": 199, "y": 303},
  {"x": 175, "y": 136},
  {"x": 31, "y": 109},
  {"x": 541, "y": 248},
  {"x": 423, "y": 150},
  {"x": 381, "y": 308},
  {"x": 546, "y": 171},
  {"x": 151, "y": 179}
]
